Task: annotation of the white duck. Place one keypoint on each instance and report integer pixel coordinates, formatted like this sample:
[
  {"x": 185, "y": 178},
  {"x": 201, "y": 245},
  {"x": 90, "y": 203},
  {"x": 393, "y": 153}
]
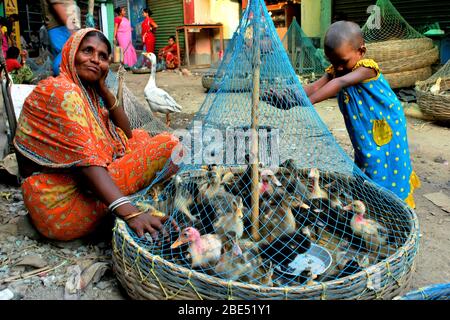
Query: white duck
[{"x": 158, "y": 99}]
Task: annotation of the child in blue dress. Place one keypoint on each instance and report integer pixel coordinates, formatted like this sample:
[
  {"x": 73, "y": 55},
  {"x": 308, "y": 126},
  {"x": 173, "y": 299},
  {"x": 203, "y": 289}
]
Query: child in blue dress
[{"x": 373, "y": 115}]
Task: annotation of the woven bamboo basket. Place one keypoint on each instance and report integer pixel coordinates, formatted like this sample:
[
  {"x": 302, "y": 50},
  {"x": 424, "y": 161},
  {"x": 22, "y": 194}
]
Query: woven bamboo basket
[
  {"x": 141, "y": 70},
  {"x": 146, "y": 276},
  {"x": 396, "y": 49},
  {"x": 436, "y": 106},
  {"x": 407, "y": 78},
  {"x": 420, "y": 60},
  {"x": 434, "y": 292},
  {"x": 209, "y": 81}
]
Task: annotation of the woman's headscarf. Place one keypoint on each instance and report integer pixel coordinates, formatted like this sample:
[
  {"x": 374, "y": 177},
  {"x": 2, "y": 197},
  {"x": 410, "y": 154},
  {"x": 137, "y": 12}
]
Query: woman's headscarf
[{"x": 63, "y": 124}]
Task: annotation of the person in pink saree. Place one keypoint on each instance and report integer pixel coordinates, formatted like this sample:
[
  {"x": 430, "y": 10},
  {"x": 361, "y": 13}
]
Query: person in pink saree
[{"x": 122, "y": 34}]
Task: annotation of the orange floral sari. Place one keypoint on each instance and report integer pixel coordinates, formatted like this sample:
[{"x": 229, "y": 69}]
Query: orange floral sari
[{"x": 64, "y": 125}]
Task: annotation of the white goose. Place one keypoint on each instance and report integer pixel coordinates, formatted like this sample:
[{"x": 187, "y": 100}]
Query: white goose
[{"x": 158, "y": 99}]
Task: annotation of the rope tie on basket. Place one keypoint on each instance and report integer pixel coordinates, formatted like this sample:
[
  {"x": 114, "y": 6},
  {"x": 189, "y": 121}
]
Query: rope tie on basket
[
  {"x": 323, "y": 296},
  {"x": 230, "y": 291},
  {"x": 423, "y": 293},
  {"x": 114, "y": 243},
  {"x": 137, "y": 263},
  {"x": 365, "y": 289},
  {"x": 361, "y": 294},
  {"x": 286, "y": 291},
  {"x": 389, "y": 273},
  {"x": 123, "y": 257},
  {"x": 192, "y": 285},
  {"x": 369, "y": 283},
  {"x": 152, "y": 270},
  {"x": 405, "y": 271}
]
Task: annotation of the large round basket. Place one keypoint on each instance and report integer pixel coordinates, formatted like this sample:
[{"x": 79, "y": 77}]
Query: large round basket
[
  {"x": 209, "y": 81},
  {"x": 407, "y": 78},
  {"x": 436, "y": 106},
  {"x": 420, "y": 60},
  {"x": 141, "y": 70},
  {"x": 434, "y": 292},
  {"x": 396, "y": 49},
  {"x": 148, "y": 276}
]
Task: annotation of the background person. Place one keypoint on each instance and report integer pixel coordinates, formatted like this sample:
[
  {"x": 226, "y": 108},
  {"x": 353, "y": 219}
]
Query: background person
[{"x": 122, "y": 33}]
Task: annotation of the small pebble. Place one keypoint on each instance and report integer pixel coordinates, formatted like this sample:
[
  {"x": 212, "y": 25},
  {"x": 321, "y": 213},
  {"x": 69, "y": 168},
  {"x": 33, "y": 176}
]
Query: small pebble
[{"x": 6, "y": 294}]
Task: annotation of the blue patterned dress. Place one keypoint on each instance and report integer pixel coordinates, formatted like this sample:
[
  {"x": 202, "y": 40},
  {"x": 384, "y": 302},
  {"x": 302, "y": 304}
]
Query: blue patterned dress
[{"x": 377, "y": 128}]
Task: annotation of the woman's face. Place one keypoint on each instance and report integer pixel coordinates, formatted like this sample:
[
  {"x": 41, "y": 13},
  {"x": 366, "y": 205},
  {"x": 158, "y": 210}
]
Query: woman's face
[
  {"x": 123, "y": 12},
  {"x": 92, "y": 60},
  {"x": 171, "y": 41},
  {"x": 144, "y": 14}
]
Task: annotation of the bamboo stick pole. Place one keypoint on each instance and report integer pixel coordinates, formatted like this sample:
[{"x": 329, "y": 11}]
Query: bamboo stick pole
[
  {"x": 293, "y": 47},
  {"x": 254, "y": 125},
  {"x": 91, "y": 7},
  {"x": 120, "y": 76},
  {"x": 9, "y": 106},
  {"x": 90, "y": 23}
]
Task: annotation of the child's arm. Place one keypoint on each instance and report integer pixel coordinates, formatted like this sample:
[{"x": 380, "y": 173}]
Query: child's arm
[
  {"x": 313, "y": 87},
  {"x": 332, "y": 88}
]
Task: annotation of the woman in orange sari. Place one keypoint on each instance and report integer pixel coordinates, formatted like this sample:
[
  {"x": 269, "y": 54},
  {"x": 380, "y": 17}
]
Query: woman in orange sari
[
  {"x": 170, "y": 54},
  {"x": 77, "y": 152},
  {"x": 148, "y": 31}
]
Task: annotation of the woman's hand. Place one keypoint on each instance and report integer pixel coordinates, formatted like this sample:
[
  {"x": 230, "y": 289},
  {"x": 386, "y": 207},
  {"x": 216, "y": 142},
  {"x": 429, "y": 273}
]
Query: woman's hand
[
  {"x": 102, "y": 88},
  {"x": 153, "y": 225}
]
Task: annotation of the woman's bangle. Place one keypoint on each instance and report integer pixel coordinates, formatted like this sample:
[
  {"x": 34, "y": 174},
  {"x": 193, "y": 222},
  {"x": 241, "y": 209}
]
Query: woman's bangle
[
  {"x": 118, "y": 202},
  {"x": 115, "y": 105},
  {"x": 133, "y": 215}
]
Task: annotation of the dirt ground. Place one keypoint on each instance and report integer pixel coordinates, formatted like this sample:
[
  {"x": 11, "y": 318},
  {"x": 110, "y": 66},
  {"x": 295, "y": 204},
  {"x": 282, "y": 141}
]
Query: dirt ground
[{"x": 430, "y": 150}]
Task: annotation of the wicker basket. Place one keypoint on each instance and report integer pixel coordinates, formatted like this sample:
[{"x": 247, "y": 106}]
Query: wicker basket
[
  {"x": 208, "y": 82},
  {"x": 396, "y": 49},
  {"x": 436, "y": 106},
  {"x": 147, "y": 276},
  {"x": 407, "y": 78},
  {"x": 434, "y": 292},
  {"x": 141, "y": 70},
  {"x": 424, "y": 59}
]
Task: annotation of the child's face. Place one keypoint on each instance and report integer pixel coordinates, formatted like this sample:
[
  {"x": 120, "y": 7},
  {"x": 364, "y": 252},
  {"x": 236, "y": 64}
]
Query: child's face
[{"x": 345, "y": 57}]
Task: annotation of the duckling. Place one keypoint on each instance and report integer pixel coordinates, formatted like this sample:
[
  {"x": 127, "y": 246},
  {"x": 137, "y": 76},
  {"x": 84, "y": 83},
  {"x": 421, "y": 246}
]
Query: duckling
[
  {"x": 266, "y": 272},
  {"x": 242, "y": 186},
  {"x": 278, "y": 221},
  {"x": 306, "y": 277},
  {"x": 262, "y": 272},
  {"x": 284, "y": 249},
  {"x": 266, "y": 185},
  {"x": 185, "y": 193},
  {"x": 227, "y": 178},
  {"x": 233, "y": 265},
  {"x": 291, "y": 180},
  {"x": 335, "y": 202},
  {"x": 350, "y": 264},
  {"x": 316, "y": 191},
  {"x": 373, "y": 233},
  {"x": 212, "y": 186},
  {"x": 303, "y": 215},
  {"x": 160, "y": 200},
  {"x": 204, "y": 250},
  {"x": 435, "y": 88},
  {"x": 231, "y": 224}
]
